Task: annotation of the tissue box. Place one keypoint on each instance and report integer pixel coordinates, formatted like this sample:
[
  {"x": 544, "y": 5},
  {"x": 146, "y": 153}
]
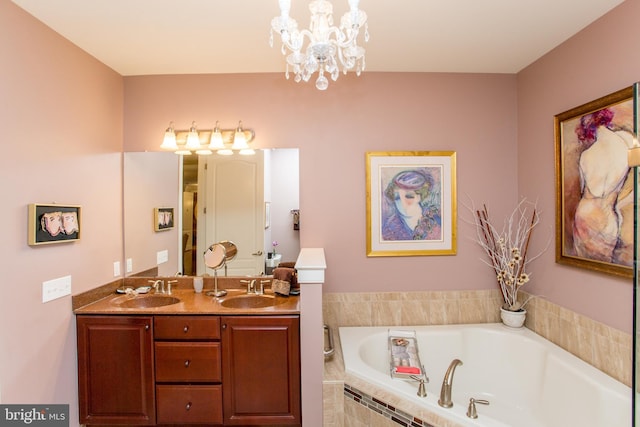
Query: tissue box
[{"x": 404, "y": 359}]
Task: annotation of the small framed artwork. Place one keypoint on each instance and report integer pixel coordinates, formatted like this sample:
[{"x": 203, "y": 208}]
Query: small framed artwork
[
  {"x": 163, "y": 219},
  {"x": 594, "y": 185},
  {"x": 53, "y": 224},
  {"x": 267, "y": 215},
  {"x": 411, "y": 203}
]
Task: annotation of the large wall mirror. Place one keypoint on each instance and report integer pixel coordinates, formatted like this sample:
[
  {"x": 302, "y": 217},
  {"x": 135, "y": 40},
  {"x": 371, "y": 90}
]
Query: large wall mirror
[{"x": 252, "y": 201}]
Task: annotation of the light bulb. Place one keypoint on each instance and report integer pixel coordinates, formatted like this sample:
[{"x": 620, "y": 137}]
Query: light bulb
[
  {"x": 169, "y": 141},
  {"x": 216, "y": 142},
  {"x": 239, "y": 139},
  {"x": 193, "y": 140}
]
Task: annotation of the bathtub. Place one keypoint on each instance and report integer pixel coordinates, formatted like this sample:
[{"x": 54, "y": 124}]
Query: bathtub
[{"x": 529, "y": 381}]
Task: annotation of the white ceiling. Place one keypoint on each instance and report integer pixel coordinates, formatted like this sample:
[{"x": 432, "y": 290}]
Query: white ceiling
[{"x": 140, "y": 37}]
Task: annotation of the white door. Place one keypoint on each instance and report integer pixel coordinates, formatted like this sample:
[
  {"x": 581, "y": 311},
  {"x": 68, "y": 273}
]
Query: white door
[{"x": 234, "y": 210}]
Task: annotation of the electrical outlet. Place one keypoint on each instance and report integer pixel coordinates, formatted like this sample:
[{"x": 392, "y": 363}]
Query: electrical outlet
[
  {"x": 129, "y": 265},
  {"x": 162, "y": 256},
  {"x": 56, "y": 288},
  {"x": 116, "y": 269}
]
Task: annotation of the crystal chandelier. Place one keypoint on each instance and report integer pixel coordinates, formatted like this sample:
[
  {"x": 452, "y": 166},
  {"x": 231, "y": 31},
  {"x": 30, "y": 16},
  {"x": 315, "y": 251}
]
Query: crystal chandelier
[{"x": 328, "y": 48}]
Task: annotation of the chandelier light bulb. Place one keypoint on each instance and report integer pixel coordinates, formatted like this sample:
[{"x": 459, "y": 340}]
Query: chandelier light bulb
[{"x": 326, "y": 48}]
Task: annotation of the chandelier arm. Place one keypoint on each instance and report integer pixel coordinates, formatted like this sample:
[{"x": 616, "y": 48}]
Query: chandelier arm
[{"x": 300, "y": 35}]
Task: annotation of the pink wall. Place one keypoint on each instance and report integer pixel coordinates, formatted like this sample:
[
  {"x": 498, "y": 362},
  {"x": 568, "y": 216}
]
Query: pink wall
[
  {"x": 600, "y": 60},
  {"x": 64, "y": 116},
  {"x": 474, "y": 115},
  {"x": 151, "y": 182},
  {"x": 61, "y": 119}
]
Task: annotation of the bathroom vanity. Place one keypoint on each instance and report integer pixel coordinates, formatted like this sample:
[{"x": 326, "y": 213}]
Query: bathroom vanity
[{"x": 191, "y": 362}]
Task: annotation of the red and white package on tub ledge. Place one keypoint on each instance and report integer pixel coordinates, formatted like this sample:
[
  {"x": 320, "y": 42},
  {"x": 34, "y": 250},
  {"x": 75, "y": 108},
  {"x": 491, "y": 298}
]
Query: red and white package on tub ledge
[{"x": 404, "y": 359}]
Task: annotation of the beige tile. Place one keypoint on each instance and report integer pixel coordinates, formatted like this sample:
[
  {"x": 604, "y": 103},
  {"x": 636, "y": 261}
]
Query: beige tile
[
  {"x": 355, "y": 415},
  {"x": 386, "y": 313},
  {"x": 472, "y": 310},
  {"x": 354, "y": 314},
  {"x": 437, "y": 312},
  {"x": 416, "y": 312},
  {"x": 378, "y": 420}
]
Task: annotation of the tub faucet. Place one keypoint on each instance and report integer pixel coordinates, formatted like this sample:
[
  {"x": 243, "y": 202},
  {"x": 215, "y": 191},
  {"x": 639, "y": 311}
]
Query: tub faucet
[{"x": 447, "y": 383}]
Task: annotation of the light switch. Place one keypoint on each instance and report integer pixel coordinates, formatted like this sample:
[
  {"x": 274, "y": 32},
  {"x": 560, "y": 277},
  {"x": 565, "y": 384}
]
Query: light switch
[
  {"x": 116, "y": 269},
  {"x": 56, "y": 288},
  {"x": 129, "y": 265}
]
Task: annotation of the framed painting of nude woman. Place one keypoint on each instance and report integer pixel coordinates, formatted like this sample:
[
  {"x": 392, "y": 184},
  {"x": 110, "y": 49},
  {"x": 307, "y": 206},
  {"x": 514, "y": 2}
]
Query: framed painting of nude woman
[
  {"x": 411, "y": 203},
  {"x": 53, "y": 224},
  {"x": 594, "y": 185}
]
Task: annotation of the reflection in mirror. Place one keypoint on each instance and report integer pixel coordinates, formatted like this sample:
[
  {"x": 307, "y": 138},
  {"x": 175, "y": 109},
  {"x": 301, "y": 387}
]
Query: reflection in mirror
[
  {"x": 216, "y": 200},
  {"x": 215, "y": 257},
  {"x": 230, "y": 195},
  {"x": 150, "y": 181},
  {"x": 230, "y": 252}
]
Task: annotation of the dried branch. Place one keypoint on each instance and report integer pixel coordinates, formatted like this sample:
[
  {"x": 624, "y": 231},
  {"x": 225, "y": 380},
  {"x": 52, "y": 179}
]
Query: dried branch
[{"x": 508, "y": 249}]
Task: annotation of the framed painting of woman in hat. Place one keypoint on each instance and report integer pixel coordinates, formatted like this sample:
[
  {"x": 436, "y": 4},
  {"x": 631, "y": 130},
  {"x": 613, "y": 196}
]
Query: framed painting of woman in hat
[{"x": 411, "y": 203}]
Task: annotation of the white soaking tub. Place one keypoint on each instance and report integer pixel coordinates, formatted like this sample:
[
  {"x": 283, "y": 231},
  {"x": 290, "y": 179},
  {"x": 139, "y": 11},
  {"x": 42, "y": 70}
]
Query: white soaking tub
[{"x": 529, "y": 381}]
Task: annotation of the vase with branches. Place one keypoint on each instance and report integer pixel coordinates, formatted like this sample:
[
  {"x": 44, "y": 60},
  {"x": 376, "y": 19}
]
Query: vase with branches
[{"x": 507, "y": 249}]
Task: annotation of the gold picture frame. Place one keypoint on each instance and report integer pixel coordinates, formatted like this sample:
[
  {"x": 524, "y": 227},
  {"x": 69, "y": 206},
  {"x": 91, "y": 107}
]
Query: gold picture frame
[
  {"x": 411, "y": 203},
  {"x": 53, "y": 223},
  {"x": 594, "y": 185},
  {"x": 163, "y": 219}
]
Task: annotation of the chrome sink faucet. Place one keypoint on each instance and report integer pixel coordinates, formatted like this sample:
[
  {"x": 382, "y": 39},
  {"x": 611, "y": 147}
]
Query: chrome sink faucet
[
  {"x": 251, "y": 285},
  {"x": 260, "y": 291},
  {"x": 447, "y": 384},
  {"x": 158, "y": 285},
  {"x": 169, "y": 283}
]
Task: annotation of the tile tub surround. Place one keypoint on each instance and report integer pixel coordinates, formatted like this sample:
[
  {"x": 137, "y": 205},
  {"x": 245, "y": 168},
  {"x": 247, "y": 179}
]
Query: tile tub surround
[{"x": 606, "y": 348}]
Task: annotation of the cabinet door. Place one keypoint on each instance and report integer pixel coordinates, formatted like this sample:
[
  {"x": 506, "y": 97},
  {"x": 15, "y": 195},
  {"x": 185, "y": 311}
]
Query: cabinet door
[
  {"x": 115, "y": 370},
  {"x": 261, "y": 370}
]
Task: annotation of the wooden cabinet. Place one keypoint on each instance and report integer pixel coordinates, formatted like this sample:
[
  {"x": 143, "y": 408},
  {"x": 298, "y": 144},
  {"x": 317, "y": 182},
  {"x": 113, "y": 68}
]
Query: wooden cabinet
[
  {"x": 115, "y": 370},
  {"x": 261, "y": 370},
  {"x": 182, "y": 370},
  {"x": 188, "y": 370}
]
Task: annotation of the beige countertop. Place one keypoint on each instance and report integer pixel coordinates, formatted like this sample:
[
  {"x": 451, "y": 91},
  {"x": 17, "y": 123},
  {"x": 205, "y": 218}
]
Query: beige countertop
[{"x": 190, "y": 303}]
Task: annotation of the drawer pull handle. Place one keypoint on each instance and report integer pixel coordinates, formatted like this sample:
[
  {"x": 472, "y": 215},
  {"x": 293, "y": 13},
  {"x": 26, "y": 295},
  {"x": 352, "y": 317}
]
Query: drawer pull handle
[
  {"x": 188, "y": 406},
  {"x": 146, "y": 327},
  {"x": 186, "y": 329},
  {"x": 187, "y": 363}
]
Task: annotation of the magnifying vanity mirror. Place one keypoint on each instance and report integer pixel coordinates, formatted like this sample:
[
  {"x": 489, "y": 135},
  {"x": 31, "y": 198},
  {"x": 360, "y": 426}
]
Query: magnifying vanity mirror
[
  {"x": 214, "y": 258},
  {"x": 230, "y": 251},
  {"x": 249, "y": 202}
]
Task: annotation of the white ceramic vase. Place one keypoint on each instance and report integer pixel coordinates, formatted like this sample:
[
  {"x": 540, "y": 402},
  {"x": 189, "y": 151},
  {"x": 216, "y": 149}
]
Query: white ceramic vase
[{"x": 513, "y": 319}]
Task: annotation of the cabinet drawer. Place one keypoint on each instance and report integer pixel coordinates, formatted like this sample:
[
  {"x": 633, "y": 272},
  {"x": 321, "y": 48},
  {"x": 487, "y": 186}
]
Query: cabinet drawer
[
  {"x": 189, "y": 404},
  {"x": 188, "y": 362},
  {"x": 187, "y": 327}
]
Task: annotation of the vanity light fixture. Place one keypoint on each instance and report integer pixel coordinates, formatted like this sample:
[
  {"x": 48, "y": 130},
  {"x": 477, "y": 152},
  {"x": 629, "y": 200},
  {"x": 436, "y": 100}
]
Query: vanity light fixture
[
  {"x": 169, "y": 141},
  {"x": 216, "y": 142},
  {"x": 240, "y": 142},
  {"x": 327, "y": 47},
  {"x": 206, "y": 141}
]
